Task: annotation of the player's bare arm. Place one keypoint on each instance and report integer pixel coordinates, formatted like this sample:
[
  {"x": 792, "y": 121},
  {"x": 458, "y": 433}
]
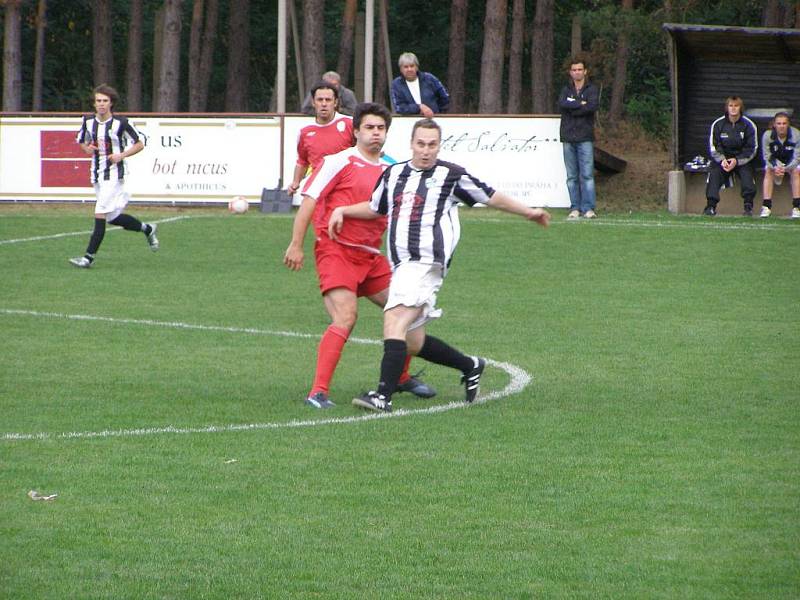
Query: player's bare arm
[
  {"x": 354, "y": 211},
  {"x": 293, "y": 258},
  {"x": 507, "y": 204},
  {"x": 299, "y": 172},
  {"x": 120, "y": 156}
]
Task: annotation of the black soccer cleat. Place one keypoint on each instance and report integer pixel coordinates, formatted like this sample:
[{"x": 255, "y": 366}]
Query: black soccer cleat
[
  {"x": 373, "y": 401},
  {"x": 319, "y": 400},
  {"x": 472, "y": 380},
  {"x": 417, "y": 387},
  {"x": 709, "y": 211}
]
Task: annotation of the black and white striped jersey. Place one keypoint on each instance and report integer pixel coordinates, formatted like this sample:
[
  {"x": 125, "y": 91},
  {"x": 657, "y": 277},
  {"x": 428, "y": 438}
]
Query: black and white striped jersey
[
  {"x": 111, "y": 136},
  {"x": 422, "y": 210}
]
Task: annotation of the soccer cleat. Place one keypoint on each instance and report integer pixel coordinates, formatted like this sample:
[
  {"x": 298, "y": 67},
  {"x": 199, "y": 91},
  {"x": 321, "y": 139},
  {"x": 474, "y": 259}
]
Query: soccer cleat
[
  {"x": 795, "y": 213},
  {"x": 709, "y": 211},
  {"x": 417, "y": 387},
  {"x": 319, "y": 400},
  {"x": 152, "y": 240},
  {"x": 573, "y": 215},
  {"x": 81, "y": 262},
  {"x": 765, "y": 212},
  {"x": 373, "y": 401},
  {"x": 589, "y": 214},
  {"x": 472, "y": 380}
]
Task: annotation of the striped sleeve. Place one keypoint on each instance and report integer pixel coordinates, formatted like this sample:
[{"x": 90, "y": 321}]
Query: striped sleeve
[
  {"x": 471, "y": 190},
  {"x": 796, "y": 155}
]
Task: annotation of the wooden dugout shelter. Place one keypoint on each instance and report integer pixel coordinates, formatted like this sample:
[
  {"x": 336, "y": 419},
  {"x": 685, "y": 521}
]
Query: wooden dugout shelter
[{"x": 709, "y": 63}]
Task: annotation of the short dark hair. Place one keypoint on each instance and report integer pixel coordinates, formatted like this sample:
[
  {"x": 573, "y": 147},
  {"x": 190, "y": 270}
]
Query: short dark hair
[
  {"x": 783, "y": 114},
  {"x": 577, "y": 59},
  {"x": 426, "y": 124},
  {"x": 371, "y": 108},
  {"x": 106, "y": 90},
  {"x": 324, "y": 85}
]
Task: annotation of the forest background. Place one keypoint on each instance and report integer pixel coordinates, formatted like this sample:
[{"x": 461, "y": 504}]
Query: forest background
[{"x": 494, "y": 56}]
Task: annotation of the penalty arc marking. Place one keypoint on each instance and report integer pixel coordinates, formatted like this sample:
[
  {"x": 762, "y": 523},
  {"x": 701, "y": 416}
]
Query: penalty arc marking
[{"x": 519, "y": 379}]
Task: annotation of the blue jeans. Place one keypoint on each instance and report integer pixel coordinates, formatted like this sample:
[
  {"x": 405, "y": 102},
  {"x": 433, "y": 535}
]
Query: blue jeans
[{"x": 579, "y": 161}]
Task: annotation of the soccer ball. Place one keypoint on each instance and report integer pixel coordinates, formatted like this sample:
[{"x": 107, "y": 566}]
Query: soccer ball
[{"x": 238, "y": 205}]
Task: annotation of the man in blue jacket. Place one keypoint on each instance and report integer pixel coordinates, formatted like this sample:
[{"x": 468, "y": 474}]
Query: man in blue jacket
[
  {"x": 732, "y": 143},
  {"x": 416, "y": 92}
]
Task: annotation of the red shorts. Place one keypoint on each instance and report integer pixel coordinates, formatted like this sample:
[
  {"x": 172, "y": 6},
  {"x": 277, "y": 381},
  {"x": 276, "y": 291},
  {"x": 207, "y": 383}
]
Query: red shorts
[{"x": 340, "y": 266}]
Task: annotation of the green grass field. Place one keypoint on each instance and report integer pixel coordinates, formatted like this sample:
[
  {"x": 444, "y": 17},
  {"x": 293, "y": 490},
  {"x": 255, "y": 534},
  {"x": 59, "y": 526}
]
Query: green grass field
[{"x": 654, "y": 452}]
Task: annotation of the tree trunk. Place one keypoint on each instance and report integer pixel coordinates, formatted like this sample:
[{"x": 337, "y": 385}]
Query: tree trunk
[
  {"x": 201, "y": 52},
  {"x": 12, "y": 56},
  {"x": 515, "y": 58},
  {"x": 379, "y": 89},
  {"x": 237, "y": 87},
  {"x": 621, "y": 67},
  {"x": 494, "y": 43},
  {"x": 797, "y": 15},
  {"x": 169, "y": 72},
  {"x": 542, "y": 58},
  {"x": 458, "y": 40},
  {"x": 772, "y": 14},
  {"x": 38, "y": 62},
  {"x": 788, "y": 15},
  {"x": 346, "y": 41},
  {"x": 133, "y": 76},
  {"x": 313, "y": 41},
  {"x": 102, "y": 43}
]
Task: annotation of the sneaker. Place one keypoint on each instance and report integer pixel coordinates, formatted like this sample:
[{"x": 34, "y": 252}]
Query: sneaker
[
  {"x": 472, "y": 380},
  {"x": 81, "y": 262},
  {"x": 748, "y": 211},
  {"x": 709, "y": 211},
  {"x": 795, "y": 213},
  {"x": 152, "y": 240},
  {"x": 319, "y": 400},
  {"x": 417, "y": 387},
  {"x": 589, "y": 214},
  {"x": 573, "y": 215},
  {"x": 373, "y": 401},
  {"x": 765, "y": 212}
]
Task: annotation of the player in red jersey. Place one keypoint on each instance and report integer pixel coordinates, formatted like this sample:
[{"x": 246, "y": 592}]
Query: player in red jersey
[
  {"x": 329, "y": 134},
  {"x": 352, "y": 266}
]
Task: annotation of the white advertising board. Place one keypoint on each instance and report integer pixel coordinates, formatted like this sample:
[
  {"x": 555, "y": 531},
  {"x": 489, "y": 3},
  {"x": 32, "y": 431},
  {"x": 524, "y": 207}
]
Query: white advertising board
[
  {"x": 521, "y": 156},
  {"x": 189, "y": 160},
  {"x": 185, "y": 160}
]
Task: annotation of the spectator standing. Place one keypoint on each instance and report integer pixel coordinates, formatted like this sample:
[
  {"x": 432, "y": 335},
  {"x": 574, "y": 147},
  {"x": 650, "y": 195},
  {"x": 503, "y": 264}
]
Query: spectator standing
[
  {"x": 347, "y": 99},
  {"x": 417, "y": 92},
  {"x": 578, "y": 103}
]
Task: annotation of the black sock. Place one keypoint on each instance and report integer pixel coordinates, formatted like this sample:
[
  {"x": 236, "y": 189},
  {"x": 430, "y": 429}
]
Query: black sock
[
  {"x": 768, "y": 203},
  {"x": 796, "y": 202},
  {"x": 129, "y": 223},
  {"x": 97, "y": 238},
  {"x": 394, "y": 357},
  {"x": 436, "y": 351}
]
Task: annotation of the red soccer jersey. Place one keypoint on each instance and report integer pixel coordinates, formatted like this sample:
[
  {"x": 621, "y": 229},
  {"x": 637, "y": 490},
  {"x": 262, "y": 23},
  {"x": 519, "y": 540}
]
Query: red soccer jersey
[
  {"x": 342, "y": 179},
  {"x": 317, "y": 141}
]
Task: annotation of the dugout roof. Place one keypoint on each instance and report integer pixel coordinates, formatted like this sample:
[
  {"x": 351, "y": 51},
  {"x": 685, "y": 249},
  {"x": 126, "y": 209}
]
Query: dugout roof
[{"x": 709, "y": 63}]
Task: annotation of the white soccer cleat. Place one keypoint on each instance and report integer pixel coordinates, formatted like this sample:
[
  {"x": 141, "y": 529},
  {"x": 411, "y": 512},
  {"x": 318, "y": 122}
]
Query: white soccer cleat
[
  {"x": 795, "y": 213},
  {"x": 765, "y": 212},
  {"x": 152, "y": 240},
  {"x": 81, "y": 262}
]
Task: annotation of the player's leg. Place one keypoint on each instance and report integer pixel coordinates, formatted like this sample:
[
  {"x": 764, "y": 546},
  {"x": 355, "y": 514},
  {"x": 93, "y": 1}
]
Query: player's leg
[
  {"x": 131, "y": 223},
  {"x": 766, "y": 192},
  {"x": 104, "y": 205},
  {"x": 586, "y": 169},
  {"x": 794, "y": 178},
  {"x": 748, "y": 183},
  {"x": 714, "y": 183},
  {"x": 573, "y": 187}
]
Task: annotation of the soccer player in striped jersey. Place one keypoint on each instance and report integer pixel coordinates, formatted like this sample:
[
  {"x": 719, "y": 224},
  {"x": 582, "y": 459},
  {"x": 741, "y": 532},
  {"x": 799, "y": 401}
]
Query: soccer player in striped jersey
[
  {"x": 110, "y": 140},
  {"x": 420, "y": 197},
  {"x": 352, "y": 266}
]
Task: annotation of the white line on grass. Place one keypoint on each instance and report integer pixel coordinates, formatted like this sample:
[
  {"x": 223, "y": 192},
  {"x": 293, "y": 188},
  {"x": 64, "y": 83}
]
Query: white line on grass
[
  {"x": 519, "y": 380},
  {"x": 758, "y": 226},
  {"x": 54, "y": 236}
]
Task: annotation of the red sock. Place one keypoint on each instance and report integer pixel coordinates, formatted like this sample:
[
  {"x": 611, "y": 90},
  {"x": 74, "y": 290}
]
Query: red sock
[
  {"x": 404, "y": 376},
  {"x": 330, "y": 349}
]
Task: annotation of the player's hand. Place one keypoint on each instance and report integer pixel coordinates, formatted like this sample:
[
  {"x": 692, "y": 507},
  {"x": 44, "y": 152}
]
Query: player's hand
[
  {"x": 541, "y": 216},
  {"x": 780, "y": 171},
  {"x": 90, "y": 148},
  {"x": 294, "y": 257},
  {"x": 335, "y": 222},
  {"x": 292, "y": 188},
  {"x": 115, "y": 158},
  {"x": 425, "y": 111}
]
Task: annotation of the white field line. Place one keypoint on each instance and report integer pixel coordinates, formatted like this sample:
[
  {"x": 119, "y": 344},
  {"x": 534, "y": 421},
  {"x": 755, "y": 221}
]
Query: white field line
[
  {"x": 55, "y": 236},
  {"x": 519, "y": 379},
  {"x": 757, "y": 226}
]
